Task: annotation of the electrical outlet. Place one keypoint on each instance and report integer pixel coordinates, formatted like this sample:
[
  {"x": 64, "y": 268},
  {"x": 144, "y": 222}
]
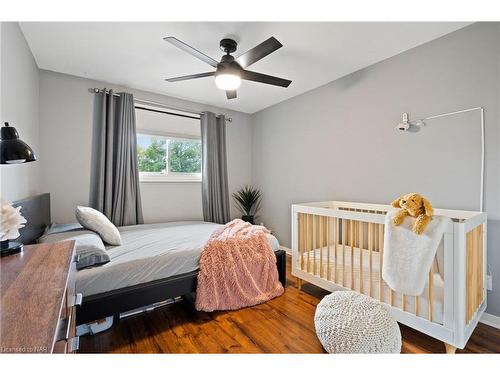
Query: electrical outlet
[{"x": 489, "y": 282}]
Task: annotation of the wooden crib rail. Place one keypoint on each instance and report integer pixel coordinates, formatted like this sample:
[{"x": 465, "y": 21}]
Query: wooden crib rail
[{"x": 349, "y": 253}]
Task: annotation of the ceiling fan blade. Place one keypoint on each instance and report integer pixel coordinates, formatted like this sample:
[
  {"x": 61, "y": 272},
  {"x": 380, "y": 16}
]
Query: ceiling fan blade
[
  {"x": 259, "y": 52},
  {"x": 191, "y": 76},
  {"x": 192, "y": 51},
  {"x": 231, "y": 94},
  {"x": 264, "y": 78}
]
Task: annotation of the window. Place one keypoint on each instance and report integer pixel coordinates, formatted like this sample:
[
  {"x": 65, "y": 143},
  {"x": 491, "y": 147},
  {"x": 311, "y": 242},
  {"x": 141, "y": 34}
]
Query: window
[{"x": 163, "y": 156}]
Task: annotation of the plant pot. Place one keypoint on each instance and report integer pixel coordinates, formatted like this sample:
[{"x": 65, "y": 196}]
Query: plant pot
[{"x": 248, "y": 218}]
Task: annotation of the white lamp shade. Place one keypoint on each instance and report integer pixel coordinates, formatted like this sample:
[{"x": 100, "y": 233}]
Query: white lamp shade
[{"x": 227, "y": 81}]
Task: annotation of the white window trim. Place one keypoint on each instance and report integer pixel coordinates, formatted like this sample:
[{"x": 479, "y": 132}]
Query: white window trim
[
  {"x": 159, "y": 177},
  {"x": 162, "y": 178}
]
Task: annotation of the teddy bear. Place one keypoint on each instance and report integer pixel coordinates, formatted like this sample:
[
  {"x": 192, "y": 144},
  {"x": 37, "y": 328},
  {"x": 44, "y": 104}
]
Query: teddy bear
[{"x": 413, "y": 205}]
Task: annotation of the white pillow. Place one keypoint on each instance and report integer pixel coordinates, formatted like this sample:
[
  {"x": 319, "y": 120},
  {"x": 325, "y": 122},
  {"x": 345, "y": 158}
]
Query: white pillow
[{"x": 97, "y": 222}]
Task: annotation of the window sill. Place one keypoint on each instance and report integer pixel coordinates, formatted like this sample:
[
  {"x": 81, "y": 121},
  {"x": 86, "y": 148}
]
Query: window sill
[{"x": 160, "y": 180}]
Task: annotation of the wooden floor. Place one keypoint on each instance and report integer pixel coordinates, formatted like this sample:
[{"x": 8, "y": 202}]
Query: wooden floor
[{"x": 283, "y": 325}]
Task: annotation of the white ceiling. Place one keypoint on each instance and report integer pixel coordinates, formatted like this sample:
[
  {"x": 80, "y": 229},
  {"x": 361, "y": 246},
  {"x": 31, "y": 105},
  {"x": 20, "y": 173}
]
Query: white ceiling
[{"x": 135, "y": 55}]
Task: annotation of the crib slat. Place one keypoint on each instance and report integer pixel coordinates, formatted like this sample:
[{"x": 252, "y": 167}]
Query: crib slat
[
  {"x": 343, "y": 250},
  {"x": 304, "y": 244},
  {"x": 314, "y": 245},
  {"x": 351, "y": 239},
  {"x": 370, "y": 249},
  {"x": 361, "y": 246},
  {"x": 328, "y": 248},
  {"x": 312, "y": 241},
  {"x": 336, "y": 241},
  {"x": 325, "y": 243},
  {"x": 416, "y": 305},
  {"x": 301, "y": 241},
  {"x": 321, "y": 246},
  {"x": 380, "y": 255},
  {"x": 308, "y": 239}
]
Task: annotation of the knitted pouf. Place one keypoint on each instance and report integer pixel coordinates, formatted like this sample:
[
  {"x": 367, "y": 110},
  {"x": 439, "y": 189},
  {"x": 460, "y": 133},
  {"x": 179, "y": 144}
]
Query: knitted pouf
[{"x": 349, "y": 322}]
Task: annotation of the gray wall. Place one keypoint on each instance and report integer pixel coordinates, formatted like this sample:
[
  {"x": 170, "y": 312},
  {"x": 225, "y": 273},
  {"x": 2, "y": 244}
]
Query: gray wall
[
  {"x": 338, "y": 142},
  {"x": 19, "y": 106},
  {"x": 66, "y": 110}
]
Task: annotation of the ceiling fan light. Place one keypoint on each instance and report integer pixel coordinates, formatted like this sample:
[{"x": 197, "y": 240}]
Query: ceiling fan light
[{"x": 227, "y": 81}]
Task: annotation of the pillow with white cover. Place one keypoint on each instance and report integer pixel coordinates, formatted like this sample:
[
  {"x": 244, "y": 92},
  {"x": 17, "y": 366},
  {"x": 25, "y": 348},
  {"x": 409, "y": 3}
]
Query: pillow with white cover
[{"x": 97, "y": 222}]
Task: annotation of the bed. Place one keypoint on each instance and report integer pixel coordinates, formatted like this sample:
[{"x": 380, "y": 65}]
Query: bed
[{"x": 155, "y": 262}]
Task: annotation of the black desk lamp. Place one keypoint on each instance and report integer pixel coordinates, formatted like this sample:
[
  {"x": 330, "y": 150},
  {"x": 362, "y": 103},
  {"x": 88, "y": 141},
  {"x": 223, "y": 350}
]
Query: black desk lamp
[{"x": 12, "y": 151}]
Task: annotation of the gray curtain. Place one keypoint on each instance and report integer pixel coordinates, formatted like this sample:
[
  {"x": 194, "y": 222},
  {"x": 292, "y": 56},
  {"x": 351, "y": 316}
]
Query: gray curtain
[
  {"x": 215, "y": 191},
  {"x": 115, "y": 183}
]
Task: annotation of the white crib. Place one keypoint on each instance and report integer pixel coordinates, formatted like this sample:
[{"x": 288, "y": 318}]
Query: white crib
[{"x": 339, "y": 245}]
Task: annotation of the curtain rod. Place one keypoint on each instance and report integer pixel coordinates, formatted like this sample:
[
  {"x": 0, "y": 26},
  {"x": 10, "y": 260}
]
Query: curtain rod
[{"x": 96, "y": 90}]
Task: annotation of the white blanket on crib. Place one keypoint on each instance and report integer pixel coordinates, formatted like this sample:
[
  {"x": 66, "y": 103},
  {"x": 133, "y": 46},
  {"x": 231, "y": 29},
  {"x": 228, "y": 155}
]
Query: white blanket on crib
[{"x": 407, "y": 256}]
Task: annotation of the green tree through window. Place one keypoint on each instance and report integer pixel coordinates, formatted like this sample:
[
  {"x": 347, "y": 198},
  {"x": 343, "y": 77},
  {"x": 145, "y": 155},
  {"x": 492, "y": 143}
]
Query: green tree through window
[
  {"x": 153, "y": 157},
  {"x": 185, "y": 156}
]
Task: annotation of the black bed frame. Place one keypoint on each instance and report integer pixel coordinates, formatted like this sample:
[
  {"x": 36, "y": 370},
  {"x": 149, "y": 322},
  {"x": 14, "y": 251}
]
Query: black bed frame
[
  {"x": 36, "y": 210},
  {"x": 118, "y": 301}
]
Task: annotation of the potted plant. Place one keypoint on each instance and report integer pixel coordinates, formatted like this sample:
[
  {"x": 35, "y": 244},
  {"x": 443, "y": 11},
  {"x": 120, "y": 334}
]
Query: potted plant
[{"x": 248, "y": 200}]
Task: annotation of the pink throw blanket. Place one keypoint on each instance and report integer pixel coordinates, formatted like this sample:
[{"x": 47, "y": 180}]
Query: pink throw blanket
[{"x": 237, "y": 269}]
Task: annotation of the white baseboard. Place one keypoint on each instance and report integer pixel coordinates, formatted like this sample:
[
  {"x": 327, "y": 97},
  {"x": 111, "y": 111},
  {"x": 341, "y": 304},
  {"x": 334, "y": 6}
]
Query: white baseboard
[
  {"x": 491, "y": 320},
  {"x": 286, "y": 250}
]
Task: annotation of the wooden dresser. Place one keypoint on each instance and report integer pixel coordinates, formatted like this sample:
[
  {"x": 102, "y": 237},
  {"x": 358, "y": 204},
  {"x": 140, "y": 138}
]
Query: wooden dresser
[{"x": 37, "y": 309}]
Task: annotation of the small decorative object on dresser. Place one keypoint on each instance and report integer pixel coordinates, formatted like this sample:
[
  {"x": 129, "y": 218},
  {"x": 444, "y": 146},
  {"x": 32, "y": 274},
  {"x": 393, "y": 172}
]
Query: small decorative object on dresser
[
  {"x": 11, "y": 221},
  {"x": 248, "y": 200},
  {"x": 38, "y": 300}
]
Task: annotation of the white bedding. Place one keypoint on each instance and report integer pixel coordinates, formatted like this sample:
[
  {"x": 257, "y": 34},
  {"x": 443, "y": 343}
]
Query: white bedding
[
  {"x": 150, "y": 252},
  {"x": 423, "y": 305}
]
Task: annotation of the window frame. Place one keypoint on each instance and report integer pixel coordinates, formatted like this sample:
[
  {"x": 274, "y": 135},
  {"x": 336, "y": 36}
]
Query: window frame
[{"x": 169, "y": 176}]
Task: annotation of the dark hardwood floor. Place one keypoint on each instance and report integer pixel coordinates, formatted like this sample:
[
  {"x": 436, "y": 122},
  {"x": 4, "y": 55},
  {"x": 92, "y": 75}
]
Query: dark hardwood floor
[{"x": 283, "y": 325}]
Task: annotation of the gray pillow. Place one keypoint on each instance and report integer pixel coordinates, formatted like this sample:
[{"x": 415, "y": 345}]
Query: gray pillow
[
  {"x": 58, "y": 228},
  {"x": 82, "y": 238},
  {"x": 97, "y": 222},
  {"x": 89, "y": 248},
  {"x": 90, "y": 256}
]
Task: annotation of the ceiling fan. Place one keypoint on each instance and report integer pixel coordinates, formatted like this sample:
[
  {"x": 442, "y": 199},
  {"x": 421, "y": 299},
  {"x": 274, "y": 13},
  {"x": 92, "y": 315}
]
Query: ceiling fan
[{"x": 230, "y": 71}]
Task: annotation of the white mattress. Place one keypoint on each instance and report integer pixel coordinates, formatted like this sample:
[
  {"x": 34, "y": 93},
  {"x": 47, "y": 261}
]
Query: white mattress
[
  {"x": 423, "y": 304},
  {"x": 150, "y": 252}
]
